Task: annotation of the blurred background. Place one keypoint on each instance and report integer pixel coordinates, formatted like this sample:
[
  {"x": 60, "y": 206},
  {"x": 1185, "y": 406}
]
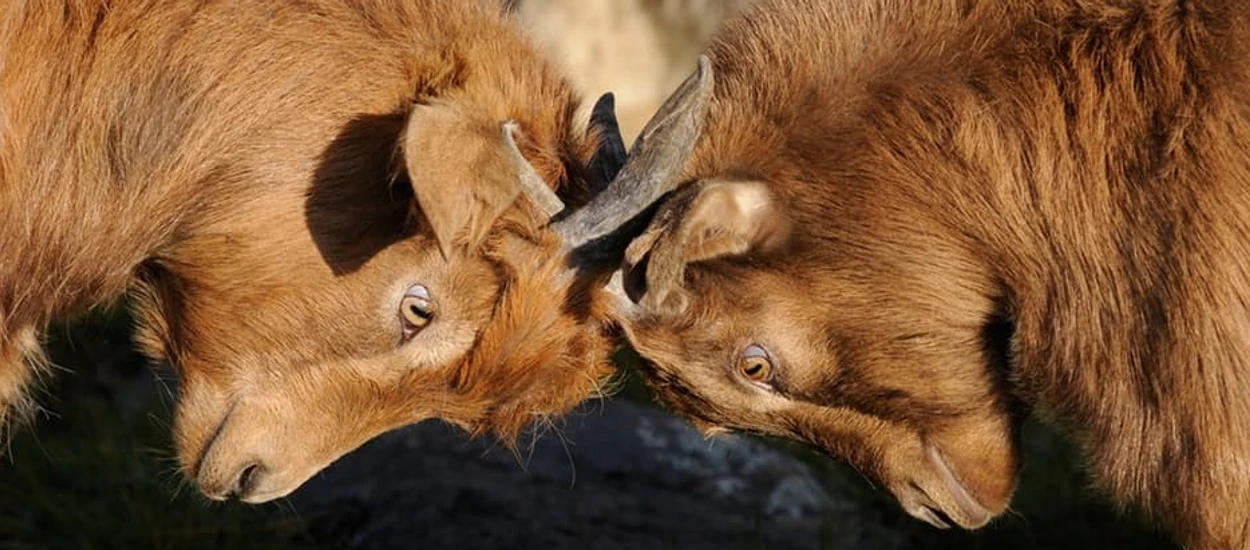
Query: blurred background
[
  {"x": 638, "y": 49},
  {"x": 97, "y": 471}
]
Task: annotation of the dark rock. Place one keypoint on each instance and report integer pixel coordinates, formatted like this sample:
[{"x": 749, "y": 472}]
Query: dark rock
[{"x": 616, "y": 475}]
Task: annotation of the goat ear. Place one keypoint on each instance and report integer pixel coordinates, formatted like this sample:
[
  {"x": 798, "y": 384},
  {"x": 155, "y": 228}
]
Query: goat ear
[
  {"x": 733, "y": 219},
  {"x": 464, "y": 174},
  {"x": 704, "y": 221}
]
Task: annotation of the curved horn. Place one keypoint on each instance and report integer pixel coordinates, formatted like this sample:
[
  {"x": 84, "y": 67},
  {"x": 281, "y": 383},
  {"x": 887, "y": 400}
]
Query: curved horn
[
  {"x": 532, "y": 184},
  {"x": 654, "y": 163},
  {"x": 611, "y": 155}
]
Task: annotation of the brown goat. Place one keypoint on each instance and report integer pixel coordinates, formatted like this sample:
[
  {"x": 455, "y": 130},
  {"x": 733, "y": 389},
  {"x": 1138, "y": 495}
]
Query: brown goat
[
  {"x": 315, "y": 206},
  {"x": 906, "y": 224}
]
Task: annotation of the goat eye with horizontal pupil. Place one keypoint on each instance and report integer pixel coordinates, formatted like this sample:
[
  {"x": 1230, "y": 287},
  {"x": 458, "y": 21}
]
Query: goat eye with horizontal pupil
[
  {"x": 416, "y": 309},
  {"x": 755, "y": 364}
]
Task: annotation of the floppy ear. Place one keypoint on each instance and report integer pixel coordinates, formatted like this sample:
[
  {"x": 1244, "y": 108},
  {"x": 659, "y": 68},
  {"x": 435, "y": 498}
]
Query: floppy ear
[
  {"x": 465, "y": 173},
  {"x": 704, "y": 221}
]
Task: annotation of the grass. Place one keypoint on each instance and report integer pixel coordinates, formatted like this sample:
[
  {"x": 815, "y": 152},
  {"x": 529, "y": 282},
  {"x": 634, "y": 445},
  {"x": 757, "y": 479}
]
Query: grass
[{"x": 97, "y": 472}]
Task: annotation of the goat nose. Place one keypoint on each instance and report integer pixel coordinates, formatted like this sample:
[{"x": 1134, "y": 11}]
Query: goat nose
[
  {"x": 247, "y": 480},
  {"x": 240, "y": 482}
]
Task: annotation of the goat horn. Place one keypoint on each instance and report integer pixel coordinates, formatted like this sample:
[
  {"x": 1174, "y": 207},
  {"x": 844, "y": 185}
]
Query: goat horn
[
  {"x": 654, "y": 164},
  {"x": 531, "y": 183},
  {"x": 611, "y": 155}
]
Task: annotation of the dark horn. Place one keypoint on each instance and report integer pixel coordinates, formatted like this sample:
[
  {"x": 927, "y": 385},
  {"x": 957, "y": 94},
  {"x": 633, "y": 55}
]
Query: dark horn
[
  {"x": 611, "y": 155},
  {"x": 653, "y": 166}
]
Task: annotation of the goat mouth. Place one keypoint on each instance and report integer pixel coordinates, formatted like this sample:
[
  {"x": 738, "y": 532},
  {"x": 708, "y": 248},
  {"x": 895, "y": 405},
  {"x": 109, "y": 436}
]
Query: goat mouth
[
  {"x": 971, "y": 513},
  {"x": 207, "y": 445},
  {"x": 933, "y": 516}
]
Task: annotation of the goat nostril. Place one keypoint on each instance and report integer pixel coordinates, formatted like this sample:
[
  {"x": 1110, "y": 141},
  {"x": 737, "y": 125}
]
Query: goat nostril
[{"x": 247, "y": 479}]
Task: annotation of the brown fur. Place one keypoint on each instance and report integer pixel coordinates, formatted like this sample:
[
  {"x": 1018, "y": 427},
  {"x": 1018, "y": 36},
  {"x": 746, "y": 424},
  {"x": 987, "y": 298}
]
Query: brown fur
[
  {"x": 240, "y": 165},
  {"x": 996, "y": 206}
]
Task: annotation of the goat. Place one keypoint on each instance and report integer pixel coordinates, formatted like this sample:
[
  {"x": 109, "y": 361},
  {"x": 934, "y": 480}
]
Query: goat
[
  {"x": 315, "y": 208},
  {"x": 906, "y": 225}
]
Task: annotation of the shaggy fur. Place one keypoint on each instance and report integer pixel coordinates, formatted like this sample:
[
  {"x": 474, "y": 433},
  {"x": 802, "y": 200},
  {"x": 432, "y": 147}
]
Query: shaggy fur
[
  {"x": 241, "y": 165},
  {"x": 996, "y": 206}
]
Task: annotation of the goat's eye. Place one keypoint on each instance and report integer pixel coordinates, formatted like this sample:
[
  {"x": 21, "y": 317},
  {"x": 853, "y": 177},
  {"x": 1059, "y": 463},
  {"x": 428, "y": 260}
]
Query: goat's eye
[
  {"x": 756, "y": 365},
  {"x": 416, "y": 310}
]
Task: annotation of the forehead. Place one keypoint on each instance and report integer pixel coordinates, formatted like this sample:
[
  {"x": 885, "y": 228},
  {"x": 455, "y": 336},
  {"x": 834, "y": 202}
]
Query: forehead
[{"x": 735, "y": 302}]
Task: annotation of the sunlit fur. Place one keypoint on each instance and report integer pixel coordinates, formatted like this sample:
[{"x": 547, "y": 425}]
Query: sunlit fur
[
  {"x": 998, "y": 206},
  {"x": 239, "y": 166}
]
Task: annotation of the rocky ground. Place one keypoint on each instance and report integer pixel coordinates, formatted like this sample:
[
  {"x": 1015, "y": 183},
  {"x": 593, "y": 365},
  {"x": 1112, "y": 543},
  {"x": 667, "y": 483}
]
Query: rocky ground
[
  {"x": 617, "y": 475},
  {"x": 96, "y": 471}
]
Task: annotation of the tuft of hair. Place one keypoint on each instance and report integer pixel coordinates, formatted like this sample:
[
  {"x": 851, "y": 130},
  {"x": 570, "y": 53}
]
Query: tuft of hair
[{"x": 22, "y": 364}]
